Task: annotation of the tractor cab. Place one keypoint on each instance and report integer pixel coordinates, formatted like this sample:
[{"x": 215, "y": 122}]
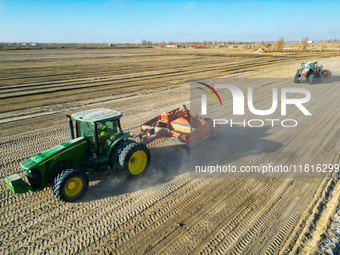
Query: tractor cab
[
  {"x": 100, "y": 127},
  {"x": 312, "y": 65}
]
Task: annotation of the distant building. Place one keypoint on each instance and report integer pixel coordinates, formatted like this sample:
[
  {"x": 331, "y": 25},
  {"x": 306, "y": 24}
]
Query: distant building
[
  {"x": 33, "y": 44},
  {"x": 174, "y": 46},
  {"x": 310, "y": 41}
]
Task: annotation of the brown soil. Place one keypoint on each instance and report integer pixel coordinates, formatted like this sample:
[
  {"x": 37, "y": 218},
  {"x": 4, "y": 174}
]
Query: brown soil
[{"x": 166, "y": 211}]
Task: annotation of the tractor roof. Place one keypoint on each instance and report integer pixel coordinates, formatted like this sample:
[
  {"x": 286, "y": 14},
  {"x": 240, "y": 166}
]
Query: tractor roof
[
  {"x": 311, "y": 62},
  {"x": 97, "y": 115}
]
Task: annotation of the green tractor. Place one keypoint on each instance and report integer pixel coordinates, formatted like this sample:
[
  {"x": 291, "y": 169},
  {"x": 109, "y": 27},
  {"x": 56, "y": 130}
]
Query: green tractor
[{"x": 99, "y": 145}]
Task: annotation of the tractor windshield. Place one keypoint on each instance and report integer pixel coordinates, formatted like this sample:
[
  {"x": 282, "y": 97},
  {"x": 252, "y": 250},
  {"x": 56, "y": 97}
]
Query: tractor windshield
[
  {"x": 86, "y": 129},
  {"x": 309, "y": 65},
  {"x": 106, "y": 132}
]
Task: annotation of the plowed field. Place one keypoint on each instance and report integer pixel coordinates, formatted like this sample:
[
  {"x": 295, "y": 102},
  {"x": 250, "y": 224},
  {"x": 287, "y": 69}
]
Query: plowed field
[{"x": 166, "y": 211}]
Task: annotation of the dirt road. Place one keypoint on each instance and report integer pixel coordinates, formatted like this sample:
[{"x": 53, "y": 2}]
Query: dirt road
[{"x": 166, "y": 211}]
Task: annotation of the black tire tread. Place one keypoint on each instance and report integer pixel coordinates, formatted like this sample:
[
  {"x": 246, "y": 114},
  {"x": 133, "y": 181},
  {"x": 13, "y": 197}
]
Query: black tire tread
[
  {"x": 59, "y": 180},
  {"x": 123, "y": 158},
  {"x": 311, "y": 79},
  {"x": 114, "y": 157}
]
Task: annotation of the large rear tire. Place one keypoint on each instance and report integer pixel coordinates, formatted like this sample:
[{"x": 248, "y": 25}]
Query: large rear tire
[
  {"x": 70, "y": 185},
  {"x": 134, "y": 160},
  {"x": 114, "y": 157},
  {"x": 311, "y": 79}
]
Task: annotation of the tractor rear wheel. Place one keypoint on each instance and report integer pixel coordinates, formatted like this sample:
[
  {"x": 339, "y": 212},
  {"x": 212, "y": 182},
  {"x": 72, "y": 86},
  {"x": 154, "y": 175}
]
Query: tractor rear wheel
[
  {"x": 114, "y": 157},
  {"x": 134, "y": 159},
  {"x": 311, "y": 79},
  {"x": 70, "y": 185}
]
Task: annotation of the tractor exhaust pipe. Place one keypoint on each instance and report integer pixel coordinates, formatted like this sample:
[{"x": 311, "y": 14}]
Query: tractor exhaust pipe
[{"x": 70, "y": 126}]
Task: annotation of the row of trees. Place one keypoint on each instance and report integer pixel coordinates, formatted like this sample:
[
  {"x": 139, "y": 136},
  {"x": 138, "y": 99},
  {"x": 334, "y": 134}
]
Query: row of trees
[
  {"x": 203, "y": 44},
  {"x": 279, "y": 45},
  {"x": 146, "y": 43}
]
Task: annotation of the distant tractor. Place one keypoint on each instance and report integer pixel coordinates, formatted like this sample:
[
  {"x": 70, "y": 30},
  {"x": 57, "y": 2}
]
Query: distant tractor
[
  {"x": 310, "y": 72},
  {"x": 100, "y": 145}
]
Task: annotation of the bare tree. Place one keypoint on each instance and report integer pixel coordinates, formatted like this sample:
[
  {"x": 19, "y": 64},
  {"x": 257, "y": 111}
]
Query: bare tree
[
  {"x": 144, "y": 42},
  {"x": 279, "y": 45},
  {"x": 322, "y": 47},
  {"x": 262, "y": 44},
  {"x": 303, "y": 44}
]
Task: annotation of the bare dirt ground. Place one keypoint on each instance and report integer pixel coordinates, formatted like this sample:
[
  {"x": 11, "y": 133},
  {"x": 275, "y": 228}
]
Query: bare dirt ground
[{"x": 166, "y": 211}]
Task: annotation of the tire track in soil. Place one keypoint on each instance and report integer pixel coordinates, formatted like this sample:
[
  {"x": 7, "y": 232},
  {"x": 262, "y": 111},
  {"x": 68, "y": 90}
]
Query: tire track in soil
[
  {"x": 166, "y": 219},
  {"x": 72, "y": 85},
  {"x": 160, "y": 218}
]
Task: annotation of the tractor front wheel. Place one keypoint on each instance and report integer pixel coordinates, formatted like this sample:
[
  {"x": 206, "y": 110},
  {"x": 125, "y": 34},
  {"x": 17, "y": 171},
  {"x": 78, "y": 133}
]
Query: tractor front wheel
[
  {"x": 134, "y": 159},
  {"x": 296, "y": 78},
  {"x": 70, "y": 185},
  {"x": 311, "y": 79}
]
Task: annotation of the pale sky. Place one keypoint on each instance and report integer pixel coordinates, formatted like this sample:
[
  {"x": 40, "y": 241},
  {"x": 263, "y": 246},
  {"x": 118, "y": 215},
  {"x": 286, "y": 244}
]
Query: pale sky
[{"x": 103, "y": 21}]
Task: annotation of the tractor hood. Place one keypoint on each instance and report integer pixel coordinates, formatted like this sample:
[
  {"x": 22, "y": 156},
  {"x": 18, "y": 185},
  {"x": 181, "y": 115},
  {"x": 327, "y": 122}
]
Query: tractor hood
[
  {"x": 305, "y": 70},
  {"x": 53, "y": 152}
]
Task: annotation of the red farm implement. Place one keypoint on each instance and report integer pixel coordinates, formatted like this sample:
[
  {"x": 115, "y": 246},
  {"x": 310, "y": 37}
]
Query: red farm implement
[{"x": 178, "y": 125}]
